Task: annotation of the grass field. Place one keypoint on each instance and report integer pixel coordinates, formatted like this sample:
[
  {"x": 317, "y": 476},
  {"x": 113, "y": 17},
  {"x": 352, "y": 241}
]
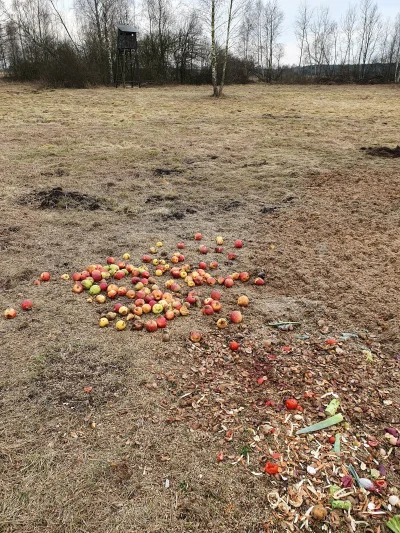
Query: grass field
[{"x": 280, "y": 168}]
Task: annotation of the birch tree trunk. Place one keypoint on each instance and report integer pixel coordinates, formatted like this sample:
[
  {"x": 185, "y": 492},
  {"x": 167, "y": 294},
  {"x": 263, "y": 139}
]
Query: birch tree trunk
[
  {"x": 213, "y": 51},
  {"x": 228, "y": 30}
]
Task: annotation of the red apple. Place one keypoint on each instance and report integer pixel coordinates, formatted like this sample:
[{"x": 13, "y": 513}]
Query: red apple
[
  {"x": 77, "y": 288},
  {"x": 151, "y": 326},
  {"x": 228, "y": 282},
  {"x": 161, "y": 322},
  {"x": 130, "y": 294},
  {"x": 145, "y": 274},
  {"x": 110, "y": 260},
  {"x": 213, "y": 265},
  {"x": 238, "y": 244},
  {"x": 191, "y": 299},
  {"x": 116, "y": 307},
  {"x": 45, "y": 276},
  {"x": 259, "y": 281},
  {"x": 119, "y": 274},
  {"x": 180, "y": 245},
  {"x": 202, "y": 266},
  {"x": 215, "y": 295},
  {"x": 146, "y": 259},
  {"x": 203, "y": 249},
  {"x": 121, "y": 264},
  {"x": 207, "y": 310},
  {"x": 112, "y": 293},
  {"x": 211, "y": 281},
  {"x": 96, "y": 275},
  {"x": 103, "y": 285},
  {"x": 231, "y": 256},
  {"x": 198, "y": 237},
  {"x": 122, "y": 291},
  {"x": 244, "y": 276},
  {"x": 10, "y": 313},
  {"x": 141, "y": 295},
  {"x": 27, "y": 304},
  {"x": 236, "y": 317},
  {"x": 76, "y": 276},
  {"x": 234, "y": 346},
  {"x": 218, "y": 249},
  {"x": 221, "y": 280}
]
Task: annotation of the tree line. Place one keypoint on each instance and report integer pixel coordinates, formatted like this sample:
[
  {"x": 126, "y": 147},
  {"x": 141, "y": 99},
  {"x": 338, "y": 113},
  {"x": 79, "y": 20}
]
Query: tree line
[{"x": 214, "y": 41}]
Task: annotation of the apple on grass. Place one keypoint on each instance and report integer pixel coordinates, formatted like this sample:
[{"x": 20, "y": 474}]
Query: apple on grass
[
  {"x": 161, "y": 322},
  {"x": 10, "y": 313},
  {"x": 215, "y": 295},
  {"x": 151, "y": 326},
  {"x": 236, "y": 317},
  {"x": 195, "y": 336},
  {"x": 45, "y": 276},
  {"x": 216, "y": 305},
  {"x": 26, "y": 305},
  {"x": 243, "y": 301},
  {"x": 77, "y": 288}
]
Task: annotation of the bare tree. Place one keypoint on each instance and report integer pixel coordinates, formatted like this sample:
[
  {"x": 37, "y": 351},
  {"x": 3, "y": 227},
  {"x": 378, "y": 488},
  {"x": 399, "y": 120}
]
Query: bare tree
[
  {"x": 368, "y": 34},
  {"x": 302, "y": 28},
  {"x": 348, "y": 26},
  {"x": 272, "y": 28},
  {"x": 396, "y": 49},
  {"x": 246, "y": 29}
]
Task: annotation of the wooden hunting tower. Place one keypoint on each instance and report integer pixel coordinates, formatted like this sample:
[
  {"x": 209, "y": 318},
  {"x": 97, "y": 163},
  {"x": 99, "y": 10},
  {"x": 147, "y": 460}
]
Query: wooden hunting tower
[{"x": 127, "y": 56}]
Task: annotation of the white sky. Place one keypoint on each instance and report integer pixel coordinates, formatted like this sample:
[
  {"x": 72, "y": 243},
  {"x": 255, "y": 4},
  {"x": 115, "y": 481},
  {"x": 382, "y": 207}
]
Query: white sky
[{"x": 388, "y": 8}]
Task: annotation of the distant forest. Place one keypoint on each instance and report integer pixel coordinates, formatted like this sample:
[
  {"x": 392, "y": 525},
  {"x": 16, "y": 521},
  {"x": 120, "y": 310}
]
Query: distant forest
[{"x": 232, "y": 40}]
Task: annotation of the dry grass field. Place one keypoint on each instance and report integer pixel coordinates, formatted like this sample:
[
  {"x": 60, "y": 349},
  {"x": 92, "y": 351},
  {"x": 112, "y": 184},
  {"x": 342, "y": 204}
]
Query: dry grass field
[{"x": 280, "y": 168}]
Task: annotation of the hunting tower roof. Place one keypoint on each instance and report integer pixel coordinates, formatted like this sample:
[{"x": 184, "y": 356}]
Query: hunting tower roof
[{"x": 126, "y": 28}]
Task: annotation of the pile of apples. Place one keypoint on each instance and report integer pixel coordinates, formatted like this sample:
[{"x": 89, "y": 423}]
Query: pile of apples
[{"x": 149, "y": 302}]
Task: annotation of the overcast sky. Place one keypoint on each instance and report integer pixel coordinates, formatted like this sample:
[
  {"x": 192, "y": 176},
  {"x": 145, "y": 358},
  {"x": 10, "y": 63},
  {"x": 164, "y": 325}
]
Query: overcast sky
[{"x": 388, "y": 8}]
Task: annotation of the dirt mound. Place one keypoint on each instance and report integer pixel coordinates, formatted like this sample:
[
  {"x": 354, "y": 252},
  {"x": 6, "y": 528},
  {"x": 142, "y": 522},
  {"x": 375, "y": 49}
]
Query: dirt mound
[
  {"x": 383, "y": 151},
  {"x": 56, "y": 198}
]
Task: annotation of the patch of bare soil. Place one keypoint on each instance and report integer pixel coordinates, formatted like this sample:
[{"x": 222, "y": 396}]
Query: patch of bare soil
[
  {"x": 57, "y": 198},
  {"x": 382, "y": 151}
]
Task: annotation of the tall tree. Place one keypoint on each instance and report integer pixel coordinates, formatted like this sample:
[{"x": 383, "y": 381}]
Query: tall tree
[
  {"x": 368, "y": 34},
  {"x": 273, "y": 19}
]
